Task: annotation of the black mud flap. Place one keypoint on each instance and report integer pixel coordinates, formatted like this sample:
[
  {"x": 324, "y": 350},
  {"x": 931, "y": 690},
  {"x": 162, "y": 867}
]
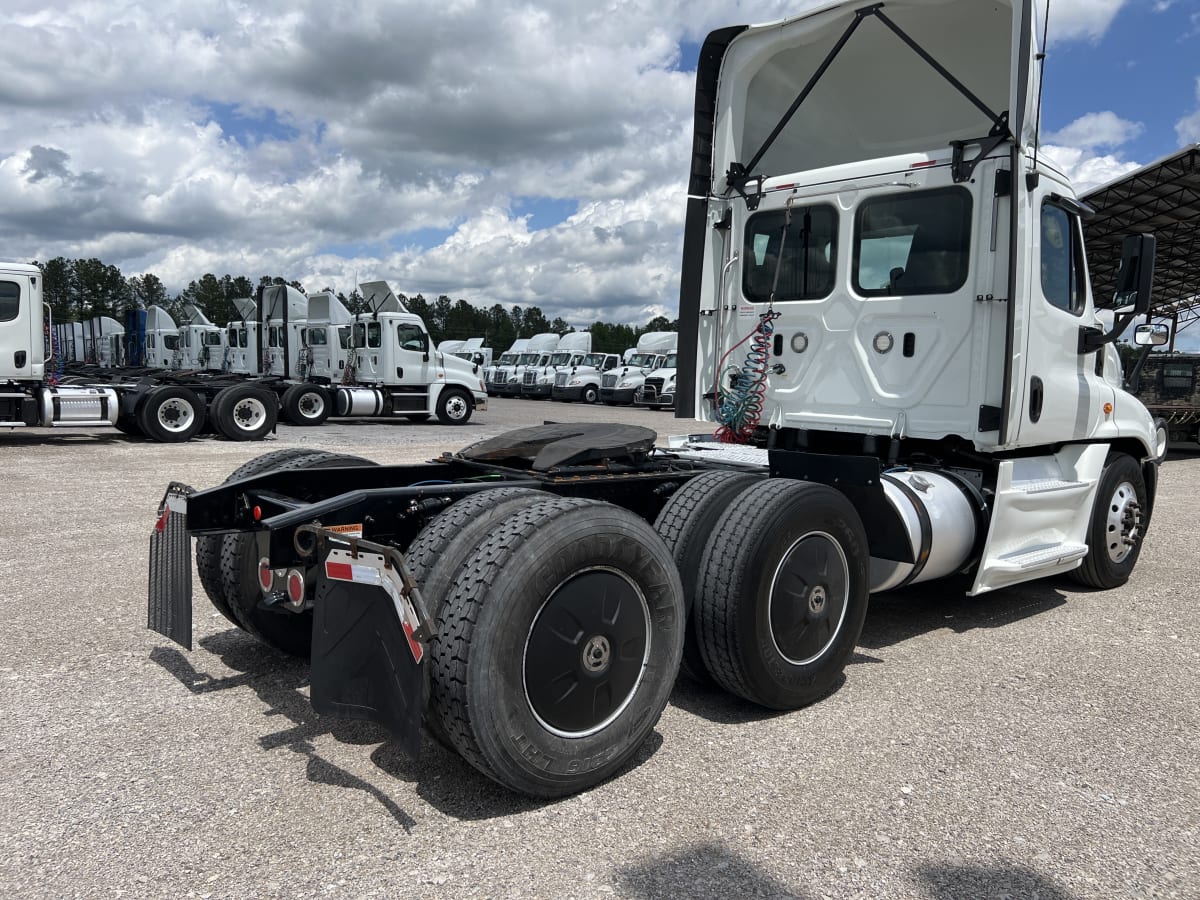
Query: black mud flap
[
  {"x": 366, "y": 659},
  {"x": 169, "y": 604}
]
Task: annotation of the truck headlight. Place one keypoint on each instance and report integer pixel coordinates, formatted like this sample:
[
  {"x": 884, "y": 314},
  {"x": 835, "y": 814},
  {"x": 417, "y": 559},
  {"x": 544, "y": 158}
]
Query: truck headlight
[{"x": 546, "y": 379}]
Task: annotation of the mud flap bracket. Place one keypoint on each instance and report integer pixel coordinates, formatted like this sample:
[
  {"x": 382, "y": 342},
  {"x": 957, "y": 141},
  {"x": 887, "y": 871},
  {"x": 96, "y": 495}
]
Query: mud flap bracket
[{"x": 367, "y": 649}]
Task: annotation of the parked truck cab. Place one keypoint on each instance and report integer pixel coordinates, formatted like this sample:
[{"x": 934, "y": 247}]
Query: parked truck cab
[{"x": 582, "y": 382}]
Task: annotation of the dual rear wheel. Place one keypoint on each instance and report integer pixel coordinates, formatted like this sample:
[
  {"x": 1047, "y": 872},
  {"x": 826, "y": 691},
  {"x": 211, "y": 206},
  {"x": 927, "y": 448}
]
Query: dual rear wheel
[{"x": 776, "y": 584}]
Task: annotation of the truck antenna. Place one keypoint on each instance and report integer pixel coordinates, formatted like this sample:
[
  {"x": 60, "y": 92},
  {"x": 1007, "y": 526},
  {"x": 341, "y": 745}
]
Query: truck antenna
[{"x": 1041, "y": 57}]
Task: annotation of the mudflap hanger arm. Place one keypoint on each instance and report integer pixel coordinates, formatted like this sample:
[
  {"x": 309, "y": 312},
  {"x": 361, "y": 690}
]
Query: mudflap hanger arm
[
  {"x": 367, "y": 654},
  {"x": 739, "y": 177}
]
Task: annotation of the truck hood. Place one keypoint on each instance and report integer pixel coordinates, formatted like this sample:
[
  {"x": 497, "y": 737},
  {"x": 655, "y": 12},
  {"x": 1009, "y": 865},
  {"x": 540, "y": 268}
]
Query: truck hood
[{"x": 878, "y": 97}]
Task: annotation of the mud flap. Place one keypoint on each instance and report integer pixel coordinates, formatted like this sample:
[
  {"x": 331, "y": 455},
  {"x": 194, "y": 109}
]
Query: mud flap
[
  {"x": 169, "y": 604},
  {"x": 366, "y": 658}
]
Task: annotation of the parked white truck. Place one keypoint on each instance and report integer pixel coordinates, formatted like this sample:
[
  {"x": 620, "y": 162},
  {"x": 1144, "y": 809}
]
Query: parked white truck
[
  {"x": 658, "y": 390},
  {"x": 582, "y": 382},
  {"x": 537, "y": 381},
  {"x": 536, "y": 353},
  {"x": 621, "y": 385},
  {"x": 886, "y": 307},
  {"x": 201, "y": 343},
  {"x": 498, "y": 372}
]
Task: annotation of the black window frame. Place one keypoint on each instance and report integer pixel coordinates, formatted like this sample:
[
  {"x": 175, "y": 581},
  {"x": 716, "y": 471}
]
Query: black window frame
[
  {"x": 16, "y": 307},
  {"x": 1077, "y": 258},
  {"x": 795, "y": 233},
  {"x": 966, "y": 227}
]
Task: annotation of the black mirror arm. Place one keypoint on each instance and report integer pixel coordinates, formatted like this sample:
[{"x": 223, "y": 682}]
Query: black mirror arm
[
  {"x": 1092, "y": 339},
  {"x": 1134, "y": 378}
]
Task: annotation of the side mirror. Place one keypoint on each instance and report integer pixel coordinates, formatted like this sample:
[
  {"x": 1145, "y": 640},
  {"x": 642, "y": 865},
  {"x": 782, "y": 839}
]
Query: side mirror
[
  {"x": 1135, "y": 279},
  {"x": 1135, "y": 283},
  {"x": 1154, "y": 335}
]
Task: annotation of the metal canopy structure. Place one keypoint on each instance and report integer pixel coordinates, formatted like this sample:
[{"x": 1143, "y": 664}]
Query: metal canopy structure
[{"x": 1162, "y": 198}]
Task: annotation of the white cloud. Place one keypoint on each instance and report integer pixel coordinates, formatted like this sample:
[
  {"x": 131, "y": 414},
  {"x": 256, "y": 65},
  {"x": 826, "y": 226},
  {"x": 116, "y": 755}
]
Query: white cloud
[
  {"x": 1078, "y": 19},
  {"x": 1098, "y": 129},
  {"x": 1085, "y": 169}
]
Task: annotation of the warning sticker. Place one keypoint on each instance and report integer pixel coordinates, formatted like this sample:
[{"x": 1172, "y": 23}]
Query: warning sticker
[{"x": 355, "y": 531}]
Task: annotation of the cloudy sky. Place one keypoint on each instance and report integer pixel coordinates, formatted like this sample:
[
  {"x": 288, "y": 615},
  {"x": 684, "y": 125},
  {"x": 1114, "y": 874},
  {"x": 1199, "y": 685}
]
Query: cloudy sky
[{"x": 530, "y": 152}]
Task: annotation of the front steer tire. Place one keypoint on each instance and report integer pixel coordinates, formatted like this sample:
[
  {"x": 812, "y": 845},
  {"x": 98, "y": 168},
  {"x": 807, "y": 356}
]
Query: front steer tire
[
  {"x": 1120, "y": 516},
  {"x": 783, "y": 593},
  {"x": 557, "y": 650},
  {"x": 454, "y": 407}
]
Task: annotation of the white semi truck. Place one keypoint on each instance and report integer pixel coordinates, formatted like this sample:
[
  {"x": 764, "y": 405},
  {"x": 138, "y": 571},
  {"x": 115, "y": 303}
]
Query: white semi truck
[
  {"x": 201, "y": 343},
  {"x": 537, "y": 381},
  {"x": 658, "y": 389},
  {"x": 622, "y": 384},
  {"x": 884, "y": 306},
  {"x": 497, "y": 374},
  {"x": 582, "y": 382},
  {"x": 510, "y": 378}
]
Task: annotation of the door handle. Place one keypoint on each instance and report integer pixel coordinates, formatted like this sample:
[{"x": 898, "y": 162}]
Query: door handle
[{"x": 1035, "y": 398}]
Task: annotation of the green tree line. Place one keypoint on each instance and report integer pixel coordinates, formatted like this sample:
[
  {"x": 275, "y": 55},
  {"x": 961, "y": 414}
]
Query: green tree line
[{"x": 79, "y": 289}]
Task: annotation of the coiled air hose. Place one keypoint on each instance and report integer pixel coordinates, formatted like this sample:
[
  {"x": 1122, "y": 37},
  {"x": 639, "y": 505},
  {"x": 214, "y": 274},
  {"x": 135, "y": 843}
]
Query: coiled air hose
[{"x": 739, "y": 406}]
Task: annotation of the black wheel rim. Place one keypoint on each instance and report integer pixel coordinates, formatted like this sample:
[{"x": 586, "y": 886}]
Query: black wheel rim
[
  {"x": 807, "y": 604},
  {"x": 586, "y": 652}
]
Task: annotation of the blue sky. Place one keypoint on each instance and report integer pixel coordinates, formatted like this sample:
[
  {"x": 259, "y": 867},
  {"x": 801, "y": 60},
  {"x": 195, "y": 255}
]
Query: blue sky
[{"x": 499, "y": 152}]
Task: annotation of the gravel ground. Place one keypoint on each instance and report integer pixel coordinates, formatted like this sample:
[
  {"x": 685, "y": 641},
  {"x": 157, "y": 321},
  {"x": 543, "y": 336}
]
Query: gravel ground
[{"x": 1036, "y": 742}]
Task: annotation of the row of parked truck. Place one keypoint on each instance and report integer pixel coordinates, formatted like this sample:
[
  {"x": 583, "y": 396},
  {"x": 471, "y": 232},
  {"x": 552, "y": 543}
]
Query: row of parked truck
[
  {"x": 565, "y": 368},
  {"x": 305, "y": 357}
]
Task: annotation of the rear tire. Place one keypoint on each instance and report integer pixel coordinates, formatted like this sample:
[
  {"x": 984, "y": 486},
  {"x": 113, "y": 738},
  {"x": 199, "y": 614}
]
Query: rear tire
[
  {"x": 685, "y": 524},
  {"x": 442, "y": 546},
  {"x": 783, "y": 593},
  {"x": 286, "y": 631},
  {"x": 1118, "y": 525},
  {"x": 170, "y": 414},
  {"x": 208, "y": 546},
  {"x": 128, "y": 425},
  {"x": 590, "y": 570},
  {"x": 306, "y": 404},
  {"x": 245, "y": 412}
]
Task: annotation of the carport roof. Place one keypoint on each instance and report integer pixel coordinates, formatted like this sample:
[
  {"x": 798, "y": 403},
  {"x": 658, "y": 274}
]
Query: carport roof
[{"x": 1163, "y": 198}]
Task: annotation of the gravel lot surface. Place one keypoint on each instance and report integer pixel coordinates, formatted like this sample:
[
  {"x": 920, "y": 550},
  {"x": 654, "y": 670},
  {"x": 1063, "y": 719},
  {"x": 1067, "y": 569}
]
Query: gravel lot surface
[{"x": 1036, "y": 742}]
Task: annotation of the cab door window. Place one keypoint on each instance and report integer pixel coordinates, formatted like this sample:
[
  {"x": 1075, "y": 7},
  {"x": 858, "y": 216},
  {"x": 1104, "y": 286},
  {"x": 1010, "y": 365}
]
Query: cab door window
[
  {"x": 410, "y": 337},
  {"x": 1064, "y": 273},
  {"x": 10, "y": 301}
]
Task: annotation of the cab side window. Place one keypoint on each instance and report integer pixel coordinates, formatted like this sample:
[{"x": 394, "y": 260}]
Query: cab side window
[
  {"x": 10, "y": 301},
  {"x": 1064, "y": 273},
  {"x": 410, "y": 337}
]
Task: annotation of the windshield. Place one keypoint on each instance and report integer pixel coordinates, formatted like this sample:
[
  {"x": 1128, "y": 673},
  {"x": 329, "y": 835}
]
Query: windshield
[
  {"x": 527, "y": 359},
  {"x": 596, "y": 360},
  {"x": 212, "y": 338},
  {"x": 171, "y": 341},
  {"x": 560, "y": 359},
  {"x": 316, "y": 337},
  {"x": 642, "y": 359},
  {"x": 506, "y": 359},
  {"x": 669, "y": 362}
]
